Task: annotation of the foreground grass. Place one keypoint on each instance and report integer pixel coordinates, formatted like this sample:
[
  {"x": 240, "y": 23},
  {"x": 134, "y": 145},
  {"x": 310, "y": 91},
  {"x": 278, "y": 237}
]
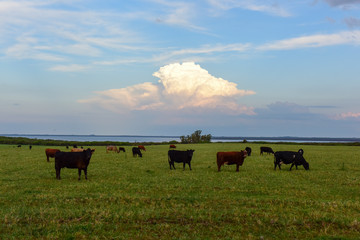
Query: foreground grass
[{"x": 133, "y": 198}]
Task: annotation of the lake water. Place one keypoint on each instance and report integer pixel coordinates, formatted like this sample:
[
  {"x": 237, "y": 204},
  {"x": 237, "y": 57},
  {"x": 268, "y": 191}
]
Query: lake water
[{"x": 137, "y": 138}]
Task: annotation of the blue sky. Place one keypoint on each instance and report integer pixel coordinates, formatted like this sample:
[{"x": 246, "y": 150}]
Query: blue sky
[{"x": 160, "y": 67}]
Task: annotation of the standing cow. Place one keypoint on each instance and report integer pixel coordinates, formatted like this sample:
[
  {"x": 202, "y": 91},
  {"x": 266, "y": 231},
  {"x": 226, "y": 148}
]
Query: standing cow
[
  {"x": 287, "y": 157},
  {"x": 180, "y": 157},
  {"x": 50, "y": 153},
  {"x": 230, "y": 158},
  {"x": 266, "y": 149},
  {"x": 112, "y": 148},
  {"x": 79, "y": 160}
]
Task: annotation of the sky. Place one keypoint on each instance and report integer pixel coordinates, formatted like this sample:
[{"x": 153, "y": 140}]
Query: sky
[{"x": 160, "y": 67}]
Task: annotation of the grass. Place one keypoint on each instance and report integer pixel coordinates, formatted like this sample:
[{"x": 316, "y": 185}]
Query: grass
[{"x": 134, "y": 198}]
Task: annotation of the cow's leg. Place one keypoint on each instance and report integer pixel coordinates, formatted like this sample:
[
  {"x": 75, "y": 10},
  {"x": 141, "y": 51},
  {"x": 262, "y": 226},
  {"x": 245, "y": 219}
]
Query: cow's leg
[
  {"x": 184, "y": 166},
  {"x": 170, "y": 165},
  {"x": 58, "y": 173},
  {"x": 189, "y": 165},
  {"x": 291, "y": 166},
  {"x": 79, "y": 170},
  {"x": 85, "y": 172},
  {"x": 47, "y": 158},
  {"x": 237, "y": 167}
]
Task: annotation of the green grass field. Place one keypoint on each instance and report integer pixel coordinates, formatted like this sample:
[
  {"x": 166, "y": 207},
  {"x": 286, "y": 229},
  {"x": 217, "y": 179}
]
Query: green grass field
[{"x": 134, "y": 198}]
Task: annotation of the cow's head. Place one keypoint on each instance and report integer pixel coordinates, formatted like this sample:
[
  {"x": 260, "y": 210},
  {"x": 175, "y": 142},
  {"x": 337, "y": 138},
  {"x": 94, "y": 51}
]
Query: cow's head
[
  {"x": 190, "y": 153},
  {"x": 306, "y": 165}
]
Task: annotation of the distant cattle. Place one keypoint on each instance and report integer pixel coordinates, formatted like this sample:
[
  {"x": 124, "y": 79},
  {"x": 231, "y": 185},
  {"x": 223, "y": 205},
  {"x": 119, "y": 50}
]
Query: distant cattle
[
  {"x": 30, "y": 147},
  {"x": 230, "y": 158},
  {"x": 141, "y": 147},
  {"x": 287, "y": 157},
  {"x": 266, "y": 149},
  {"x": 248, "y": 150},
  {"x": 19, "y": 146},
  {"x": 180, "y": 157},
  {"x": 121, "y": 149},
  {"x": 50, "y": 153},
  {"x": 172, "y": 146},
  {"x": 136, "y": 152},
  {"x": 112, "y": 148},
  {"x": 79, "y": 160}
]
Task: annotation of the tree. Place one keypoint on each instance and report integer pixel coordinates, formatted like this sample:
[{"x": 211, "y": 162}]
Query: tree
[{"x": 196, "y": 137}]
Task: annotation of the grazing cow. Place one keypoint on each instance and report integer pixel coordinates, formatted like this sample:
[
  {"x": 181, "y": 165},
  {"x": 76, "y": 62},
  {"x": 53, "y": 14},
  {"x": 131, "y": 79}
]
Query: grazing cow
[
  {"x": 112, "y": 148},
  {"x": 248, "y": 150},
  {"x": 19, "y": 146},
  {"x": 180, "y": 157},
  {"x": 75, "y": 146},
  {"x": 136, "y": 152},
  {"x": 231, "y": 158},
  {"x": 141, "y": 147},
  {"x": 287, "y": 157},
  {"x": 79, "y": 160},
  {"x": 172, "y": 146},
  {"x": 30, "y": 147},
  {"x": 121, "y": 149},
  {"x": 266, "y": 149},
  {"x": 50, "y": 153}
]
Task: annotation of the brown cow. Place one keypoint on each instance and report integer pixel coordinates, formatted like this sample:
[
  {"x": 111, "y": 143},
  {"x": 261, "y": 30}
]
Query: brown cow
[
  {"x": 141, "y": 147},
  {"x": 50, "y": 153},
  {"x": 81, "y": 150},
  {"x": 112, "y": 148},
  {"x": 230, "y": 158},
  {"x": 172, "y": 146}
]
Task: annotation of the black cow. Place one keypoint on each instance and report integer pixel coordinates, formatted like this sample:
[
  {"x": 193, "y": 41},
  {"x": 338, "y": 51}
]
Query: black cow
[
  {"x": 136, "y": 151},
  {"x": 287, "y": 157},
  {"x": 121, "y": 149},
  {"x": 266, "y": 149},
  {"x": 79, "y": 160},
  {"x": 180, "y": 157},
  {"x": 248, "y": 150}
]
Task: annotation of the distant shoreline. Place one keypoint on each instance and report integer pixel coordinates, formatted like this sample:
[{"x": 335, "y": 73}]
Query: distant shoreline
[{"x": 160, "y": 138}]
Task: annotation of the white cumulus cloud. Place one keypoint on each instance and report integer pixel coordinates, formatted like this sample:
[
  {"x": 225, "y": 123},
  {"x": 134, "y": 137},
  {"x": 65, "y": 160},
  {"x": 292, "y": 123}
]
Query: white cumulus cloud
[{"x": 180, "y": 86}]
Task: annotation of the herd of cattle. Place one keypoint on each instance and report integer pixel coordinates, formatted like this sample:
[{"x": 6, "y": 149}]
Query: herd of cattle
[{"x": 80, "y": 158}]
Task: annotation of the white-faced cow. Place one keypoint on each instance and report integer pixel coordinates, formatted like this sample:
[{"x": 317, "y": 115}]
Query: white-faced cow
[{"x": 287, "y": 157}]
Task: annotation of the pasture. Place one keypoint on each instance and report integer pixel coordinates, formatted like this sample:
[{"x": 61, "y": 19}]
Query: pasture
[{"x": 141, "y": 198}]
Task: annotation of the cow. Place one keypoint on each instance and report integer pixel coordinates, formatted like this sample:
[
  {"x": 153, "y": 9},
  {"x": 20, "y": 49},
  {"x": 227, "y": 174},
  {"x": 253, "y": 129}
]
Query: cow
[
  {"x": 50, "y": 153},
  {"x": 287, "y": 157},
  {"x": 180, "y": 157},
  {"x": 81, "y": 150},
  {"x": 230, "y": 158},
  {"x": 79, "y": 160},
  {"x": 112, "y": 148},
  {"x": 141, "y": 147},
  {"x": 136, "y": 152},
  {"x": 121, "y": 149},
  {"x": 19, "y": 146},
  {"x": 172, "y": 146},
  {"x": 30, "y": 147},
  {"x": 266, "y": 149},
  {"x": 248, "y": 150}
]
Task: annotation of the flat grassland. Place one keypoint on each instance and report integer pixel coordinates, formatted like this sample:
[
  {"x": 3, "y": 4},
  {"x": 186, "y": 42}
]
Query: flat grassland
[{"x": 141, "y": 198}]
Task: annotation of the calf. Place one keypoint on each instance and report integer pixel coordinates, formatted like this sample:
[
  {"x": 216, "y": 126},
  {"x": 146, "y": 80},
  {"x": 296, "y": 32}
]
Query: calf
[
  {"x": 266, "y": 149},
  {"x": 172, "y": 146},
  {"x": 136, "y": 152},
  {"x": 230, "y": 158},
  {"x": 180, "y": 157},
  {"x": 79, "y": 160},
  {"x": 287, "y": 157},
  {"x": 50, "y": 153}
]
